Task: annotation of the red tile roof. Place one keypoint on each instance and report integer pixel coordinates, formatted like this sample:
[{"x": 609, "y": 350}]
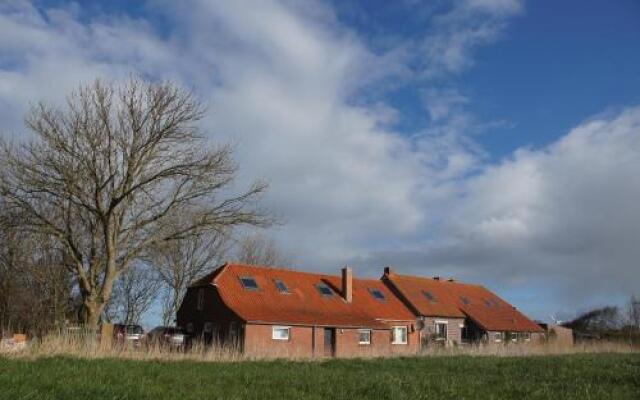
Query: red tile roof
[
  {"x": 304, "y": 305},
  {"x": 455, "y": 299}
]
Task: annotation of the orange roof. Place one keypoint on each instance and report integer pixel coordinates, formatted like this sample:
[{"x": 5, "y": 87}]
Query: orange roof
[
  {"x": 304, "y": 305},
  {"x": 456, "y": 299},
  {"x": 416, "y": 291}
]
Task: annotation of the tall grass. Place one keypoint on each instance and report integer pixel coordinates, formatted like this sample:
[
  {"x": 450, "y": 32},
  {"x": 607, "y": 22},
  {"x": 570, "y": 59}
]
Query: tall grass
[{"x": 83, "y": 344}]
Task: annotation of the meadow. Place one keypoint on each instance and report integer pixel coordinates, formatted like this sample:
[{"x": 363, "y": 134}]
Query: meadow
[{"x": 572, "y": 376}]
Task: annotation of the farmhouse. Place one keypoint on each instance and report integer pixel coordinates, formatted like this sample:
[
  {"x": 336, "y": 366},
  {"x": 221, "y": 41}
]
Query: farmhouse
[
  {"x": 279, "y": 312},
  {"x": 450, "y": 312}
]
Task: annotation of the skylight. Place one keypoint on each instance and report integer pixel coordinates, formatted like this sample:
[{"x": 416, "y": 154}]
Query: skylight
[
  {"x": 429, "y": 296},
  {"x": 282, "y": 288},
  {"x": 377, "y": 294},
  {"x": 324, "y": 289},
  {"x": 249, "y": 283},
  {"x": 465, "y": 300}
]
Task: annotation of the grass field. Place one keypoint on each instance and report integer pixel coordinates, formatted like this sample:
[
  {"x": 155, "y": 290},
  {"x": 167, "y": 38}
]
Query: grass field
[{"x": 580, "y": 376}]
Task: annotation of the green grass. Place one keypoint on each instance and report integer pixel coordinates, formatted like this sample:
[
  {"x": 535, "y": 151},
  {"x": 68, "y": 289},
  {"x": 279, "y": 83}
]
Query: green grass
[{"x": 584, "y": 376}]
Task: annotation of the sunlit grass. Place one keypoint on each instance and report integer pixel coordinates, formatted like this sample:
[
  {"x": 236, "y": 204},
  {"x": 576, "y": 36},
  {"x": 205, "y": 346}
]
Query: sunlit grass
[{"x": 579, "y": 376}]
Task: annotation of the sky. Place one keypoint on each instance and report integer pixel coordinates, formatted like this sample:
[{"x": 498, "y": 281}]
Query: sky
[{"x": 494, "y": 141}]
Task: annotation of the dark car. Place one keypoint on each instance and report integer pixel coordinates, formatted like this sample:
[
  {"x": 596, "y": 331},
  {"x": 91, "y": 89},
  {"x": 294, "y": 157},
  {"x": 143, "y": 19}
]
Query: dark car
[
  {"x": 128, "y": 334},
  {"x": 167, "y": 336}
]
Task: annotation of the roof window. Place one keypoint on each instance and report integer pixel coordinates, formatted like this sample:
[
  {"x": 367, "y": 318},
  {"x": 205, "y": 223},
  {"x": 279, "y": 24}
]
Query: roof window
[
  {"x": 377, "y": 294},
  {"x": 282, "y": 288},
  {"x": 429, "y": 296},
  {"x": 324, "y": 290},
  {"x": 249, "y": 283},
  {"x": 465, "y": 300}
]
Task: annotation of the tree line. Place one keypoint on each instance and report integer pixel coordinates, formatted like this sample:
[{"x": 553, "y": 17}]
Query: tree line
[{"x": 114, "y": 201}]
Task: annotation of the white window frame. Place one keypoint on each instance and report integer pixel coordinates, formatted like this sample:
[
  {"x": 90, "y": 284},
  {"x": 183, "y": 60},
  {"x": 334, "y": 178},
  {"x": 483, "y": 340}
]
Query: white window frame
[
  {"x": 277, "y": 337},
  {"x": 441, "y": 322},
  {"x": 200, "y": 304},
  {"x": 399, "y": 328},
  {"x": 498, "y": 337},
  {"x": 360, "y": 331}
]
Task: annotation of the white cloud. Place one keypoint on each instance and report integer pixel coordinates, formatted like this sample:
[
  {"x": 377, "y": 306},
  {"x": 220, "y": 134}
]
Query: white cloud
[
  {"x": 565, "y": 217},
  {"x": 455, "y": 34},
  {"x": 277, "y": 83},
  {"x": 280, "y": 80}
]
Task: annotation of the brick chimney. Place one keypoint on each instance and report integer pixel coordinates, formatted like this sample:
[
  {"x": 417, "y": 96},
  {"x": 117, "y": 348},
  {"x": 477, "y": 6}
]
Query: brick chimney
[{"x": 347, "y": 284}]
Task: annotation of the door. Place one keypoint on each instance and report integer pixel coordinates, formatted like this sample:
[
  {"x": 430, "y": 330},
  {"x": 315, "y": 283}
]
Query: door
[{"x": 329, "y": 342}]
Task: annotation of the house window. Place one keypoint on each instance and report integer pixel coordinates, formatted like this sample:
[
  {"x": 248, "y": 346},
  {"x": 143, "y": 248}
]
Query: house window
[
  {"x": 526, "y": 336},
  {"x": 429, "y": 296},
  {"x": 200, "y": 299},
  {"x": 441, "y": 330},
  {"x": 249, "y": 283},
  {"x": 324, "y": 290},
  {"x": 497, "y": 336},
  {"x": 364, "y": 336},
  {"x": 399, "y": 335},
  {"x": 282, "y": 288},
  {"x": 208, "y": 327},
  {"x": 281, "y": 333},
  {"x": 377, "y": 294}
]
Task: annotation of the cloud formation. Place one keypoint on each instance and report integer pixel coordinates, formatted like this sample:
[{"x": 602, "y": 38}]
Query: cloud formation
[
  {"x": 282, "y": 82},
  {"x": 564, "y": 217}
]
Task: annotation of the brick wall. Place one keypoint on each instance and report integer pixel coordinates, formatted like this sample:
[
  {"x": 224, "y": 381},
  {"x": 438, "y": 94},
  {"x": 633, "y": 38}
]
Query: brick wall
[
  {"x": 454, "y": 329},
  {"x": 347, "y": 344},
  {"x": 258, "y": 343}
]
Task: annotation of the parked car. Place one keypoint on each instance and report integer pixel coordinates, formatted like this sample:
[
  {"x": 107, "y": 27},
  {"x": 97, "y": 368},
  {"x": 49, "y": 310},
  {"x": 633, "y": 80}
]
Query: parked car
[
  {"x": 128, "y": 334},
  {"x": 169, "y": 336}
]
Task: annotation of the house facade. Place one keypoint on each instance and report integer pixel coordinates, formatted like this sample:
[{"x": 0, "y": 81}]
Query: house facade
[
  {"x": 277, "y": 312},
  {"x": 451, "y": 312}
]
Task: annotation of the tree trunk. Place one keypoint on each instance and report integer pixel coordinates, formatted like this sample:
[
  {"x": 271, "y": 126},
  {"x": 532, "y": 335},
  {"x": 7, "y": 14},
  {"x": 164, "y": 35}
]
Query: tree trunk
[{"x": 91, "y": 312}]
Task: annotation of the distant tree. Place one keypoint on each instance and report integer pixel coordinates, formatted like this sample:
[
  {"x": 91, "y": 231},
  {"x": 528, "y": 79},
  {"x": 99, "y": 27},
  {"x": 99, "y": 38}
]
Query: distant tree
[
  {"x": 633, "y": 312},
  {"x": 257, "y": 249},
  {"x": 597, "y": 320},
  {"x": 133, "y": 294},
  {"x": 180, "y": 262},
  {"x": 36, "y": 291},
  {"x": 106, "y": 174}
]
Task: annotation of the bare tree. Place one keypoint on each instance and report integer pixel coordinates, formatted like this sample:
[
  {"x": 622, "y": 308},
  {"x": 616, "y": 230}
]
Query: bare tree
[
  {"x": 105, "y": 174},
  {"x": 180, "y": 262},
  {"x": 35, "y": 292},
  {"x": 257, "y": 249},
  {"x": 633, "y": 312},
  {"x": 133, "y": 294}
]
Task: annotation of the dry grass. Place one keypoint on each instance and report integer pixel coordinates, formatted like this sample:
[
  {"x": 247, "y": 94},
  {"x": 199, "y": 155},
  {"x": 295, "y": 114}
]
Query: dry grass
[{"x": 87, "y": 346}]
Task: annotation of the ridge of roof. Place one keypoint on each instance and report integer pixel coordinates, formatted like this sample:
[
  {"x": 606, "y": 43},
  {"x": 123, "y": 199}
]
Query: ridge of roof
[{"x": 431, "y": 279}]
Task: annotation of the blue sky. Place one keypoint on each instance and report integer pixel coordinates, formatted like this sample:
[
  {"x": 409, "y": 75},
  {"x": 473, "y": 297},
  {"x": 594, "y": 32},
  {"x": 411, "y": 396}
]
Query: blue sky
[{"x": 496, "y": 141}]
